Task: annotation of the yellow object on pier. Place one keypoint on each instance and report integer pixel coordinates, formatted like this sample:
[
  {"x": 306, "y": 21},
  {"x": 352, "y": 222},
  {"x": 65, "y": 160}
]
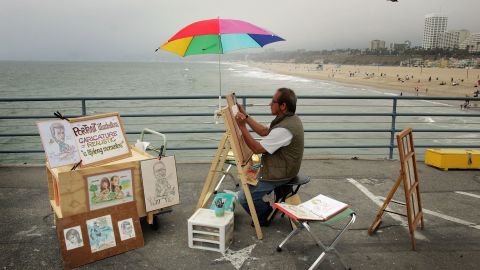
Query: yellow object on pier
[{"x": 453, "y": 158}]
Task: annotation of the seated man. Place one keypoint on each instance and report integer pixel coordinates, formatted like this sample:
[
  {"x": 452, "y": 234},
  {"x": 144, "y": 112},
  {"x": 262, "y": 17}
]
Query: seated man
[{"x": 281, "y": 149}]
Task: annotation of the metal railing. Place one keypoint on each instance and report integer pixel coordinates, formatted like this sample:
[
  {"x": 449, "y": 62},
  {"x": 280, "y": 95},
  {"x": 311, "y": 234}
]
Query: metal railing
[{"x": 24, "y": 109}]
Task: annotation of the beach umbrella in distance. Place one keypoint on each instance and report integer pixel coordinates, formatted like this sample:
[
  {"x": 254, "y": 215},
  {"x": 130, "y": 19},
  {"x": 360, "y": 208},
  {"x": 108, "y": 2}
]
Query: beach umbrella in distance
[{"x": 218, "y": 36}]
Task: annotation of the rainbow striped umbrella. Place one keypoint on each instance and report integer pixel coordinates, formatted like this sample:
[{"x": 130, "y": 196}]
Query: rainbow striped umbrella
[{"x": 218, "y": 36}]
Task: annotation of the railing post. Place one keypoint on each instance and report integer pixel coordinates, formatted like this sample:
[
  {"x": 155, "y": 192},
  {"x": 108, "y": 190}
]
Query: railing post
[
  {"x": 244, "y": 103},
  {"x": 393, "y": 128},
  {"x": 84, "y": 107}
]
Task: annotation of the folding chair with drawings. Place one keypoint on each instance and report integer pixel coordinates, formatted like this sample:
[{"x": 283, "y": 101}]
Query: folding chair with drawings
[{"x": 304, "y": 224}]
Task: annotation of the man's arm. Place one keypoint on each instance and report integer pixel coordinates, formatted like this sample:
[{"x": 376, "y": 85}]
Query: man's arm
[
  {"x": 253, "y": 144},
  {"x": 257, "y": 127}
]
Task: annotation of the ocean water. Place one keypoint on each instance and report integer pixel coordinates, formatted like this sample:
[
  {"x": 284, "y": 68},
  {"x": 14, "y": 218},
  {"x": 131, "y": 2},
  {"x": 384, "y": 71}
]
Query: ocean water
[{"x": 65, "y": 79}]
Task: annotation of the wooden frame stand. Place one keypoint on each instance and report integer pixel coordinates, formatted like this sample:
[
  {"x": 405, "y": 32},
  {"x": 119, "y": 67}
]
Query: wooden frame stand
[
  {"x": 230, "y": 141},
  {"x": 409, "y": 177}
]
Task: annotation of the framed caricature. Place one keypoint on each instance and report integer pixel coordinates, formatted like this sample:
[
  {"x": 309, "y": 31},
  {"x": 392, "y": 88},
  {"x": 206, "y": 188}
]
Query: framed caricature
[
  {"x": 58, "y": 143},
  {"x": 109, "y": 189},
  {"x": 73, "y": 237},
  {"x": 100, "y": 233},
  {"x": 160, "y": 185}
]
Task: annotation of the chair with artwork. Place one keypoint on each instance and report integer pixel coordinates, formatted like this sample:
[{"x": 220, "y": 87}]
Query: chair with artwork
[{"x": 320, "y": 210}]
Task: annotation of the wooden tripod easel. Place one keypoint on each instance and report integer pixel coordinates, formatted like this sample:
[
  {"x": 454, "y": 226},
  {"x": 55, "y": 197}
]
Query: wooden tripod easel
[
  {"x": 409, "y": 177},
  {"x": 229, "y": 142}
]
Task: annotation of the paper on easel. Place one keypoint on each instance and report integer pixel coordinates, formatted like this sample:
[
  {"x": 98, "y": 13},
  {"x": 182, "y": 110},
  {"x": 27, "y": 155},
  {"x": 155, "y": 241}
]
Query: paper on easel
[
  {"x": 234, "y": 109},
  {"x": 319, "y": 208}
]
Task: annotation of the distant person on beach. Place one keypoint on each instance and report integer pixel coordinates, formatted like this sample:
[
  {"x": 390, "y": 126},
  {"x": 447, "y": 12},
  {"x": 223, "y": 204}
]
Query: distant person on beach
[{"x": 281, "y": 147}]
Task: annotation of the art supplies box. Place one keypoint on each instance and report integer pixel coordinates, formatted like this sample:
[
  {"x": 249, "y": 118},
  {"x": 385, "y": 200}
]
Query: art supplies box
[{"x": 320, "y": 208}]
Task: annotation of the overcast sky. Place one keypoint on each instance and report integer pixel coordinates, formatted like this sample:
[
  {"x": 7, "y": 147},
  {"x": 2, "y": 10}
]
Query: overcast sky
[{"x": 129, "y": 30}]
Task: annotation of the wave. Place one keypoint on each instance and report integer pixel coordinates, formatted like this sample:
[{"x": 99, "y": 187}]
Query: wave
[
  {"x": 428, "y": 119},
  {"x": 260, "y": 74},
  {"x": 438, "y": 103}
]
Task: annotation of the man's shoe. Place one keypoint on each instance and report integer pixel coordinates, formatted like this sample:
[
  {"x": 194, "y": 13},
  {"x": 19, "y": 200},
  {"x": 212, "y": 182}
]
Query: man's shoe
[{"x": 283, "y": 192}]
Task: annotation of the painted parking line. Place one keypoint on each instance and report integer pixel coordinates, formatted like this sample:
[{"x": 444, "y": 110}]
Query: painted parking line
[
  {"x": 468, "y": 194},
  {"x": 447, "y": 217},
  {"x": 379, "y": 203}
]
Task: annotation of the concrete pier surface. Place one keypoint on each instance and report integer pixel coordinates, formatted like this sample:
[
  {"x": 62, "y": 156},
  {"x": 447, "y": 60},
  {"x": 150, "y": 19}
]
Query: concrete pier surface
[{"x": 450, "y": 239}]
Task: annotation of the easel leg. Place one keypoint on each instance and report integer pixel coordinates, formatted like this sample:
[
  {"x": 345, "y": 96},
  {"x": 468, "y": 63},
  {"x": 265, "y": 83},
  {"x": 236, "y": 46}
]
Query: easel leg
[
  {"x": 251, "y": 206},
  {"x": 150, "y": 218},
  {"x": 378, "y": 218},
  {"x": 217, "y": 164}
]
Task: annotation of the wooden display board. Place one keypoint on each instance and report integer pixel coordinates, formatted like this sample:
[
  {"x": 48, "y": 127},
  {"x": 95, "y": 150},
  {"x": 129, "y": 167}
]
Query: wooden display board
[
  {"x": 230, "y": 141},
  {"x": 99, "y": 234},
  {"x": 409, "y": 177},
  {"x": 67, "y": 189}
]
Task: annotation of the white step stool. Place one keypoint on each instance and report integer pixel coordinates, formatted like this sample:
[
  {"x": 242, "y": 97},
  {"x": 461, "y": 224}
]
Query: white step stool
[{"x": 209, "y": 232}]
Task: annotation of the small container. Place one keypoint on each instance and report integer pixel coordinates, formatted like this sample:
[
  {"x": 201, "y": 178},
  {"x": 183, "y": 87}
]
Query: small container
[{"x": 219, "y": 211}]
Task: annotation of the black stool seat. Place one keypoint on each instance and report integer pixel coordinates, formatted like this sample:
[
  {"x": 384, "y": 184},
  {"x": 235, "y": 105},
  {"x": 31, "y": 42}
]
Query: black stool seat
[
  {"x": 287, "y": 190},
  {"x": 298, "y": 180}
]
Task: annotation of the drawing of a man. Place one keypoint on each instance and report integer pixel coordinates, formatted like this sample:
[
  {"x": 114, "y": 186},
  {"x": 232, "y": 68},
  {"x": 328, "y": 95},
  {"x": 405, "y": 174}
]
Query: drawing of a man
[
  {"x": 127, "y": 230},
  {"x": 95, "y": 234},
  {"x": 65, "y": 151},
  {"x": 163, "y": 189}
]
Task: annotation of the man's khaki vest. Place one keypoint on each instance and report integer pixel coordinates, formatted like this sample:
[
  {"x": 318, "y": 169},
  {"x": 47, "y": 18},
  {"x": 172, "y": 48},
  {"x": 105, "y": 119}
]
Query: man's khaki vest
[{"x": 284, "y": 163}]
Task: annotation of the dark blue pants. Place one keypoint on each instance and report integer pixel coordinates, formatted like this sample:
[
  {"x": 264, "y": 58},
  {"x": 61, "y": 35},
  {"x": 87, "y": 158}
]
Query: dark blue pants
[{"x": 258, "y": 191}]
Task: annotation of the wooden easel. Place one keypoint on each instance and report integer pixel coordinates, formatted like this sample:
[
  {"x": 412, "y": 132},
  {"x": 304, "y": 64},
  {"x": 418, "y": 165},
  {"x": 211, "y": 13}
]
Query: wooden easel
[
  {"x": 230, "y": 141},
  {"x": 409, "y": 177}
]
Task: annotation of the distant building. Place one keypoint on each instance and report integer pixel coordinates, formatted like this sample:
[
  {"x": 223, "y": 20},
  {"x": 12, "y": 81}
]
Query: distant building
[
  {"x": 400, "y": 47},
  {"x": 452, "y": 39},
  {"x": 471, "y": 43},
  {"x": 376, "y": 45},
  {"x": 435, "y": 25}
]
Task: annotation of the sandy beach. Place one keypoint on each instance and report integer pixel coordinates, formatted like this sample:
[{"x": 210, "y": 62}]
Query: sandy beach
[{"x": 428, "y": 81}]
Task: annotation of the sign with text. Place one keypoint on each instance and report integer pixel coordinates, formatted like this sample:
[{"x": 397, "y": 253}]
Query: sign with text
[{"x": 100, "y": 138}]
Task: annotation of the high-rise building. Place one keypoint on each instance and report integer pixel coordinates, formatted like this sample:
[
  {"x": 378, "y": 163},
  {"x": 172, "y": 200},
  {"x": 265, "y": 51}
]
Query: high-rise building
[
  {"x": 377, "y": 45},
  {"x": 435, "y": 24},
  {"x": 453, "y": 38},
  {"x": 471, "y": 43}
]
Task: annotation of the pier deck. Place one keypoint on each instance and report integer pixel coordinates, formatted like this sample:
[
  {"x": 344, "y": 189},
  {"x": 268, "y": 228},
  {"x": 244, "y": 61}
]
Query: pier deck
[{"x": 450, "y": 240}]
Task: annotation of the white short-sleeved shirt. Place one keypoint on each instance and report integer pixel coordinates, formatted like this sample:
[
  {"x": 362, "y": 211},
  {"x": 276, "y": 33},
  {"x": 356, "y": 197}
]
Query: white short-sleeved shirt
[{"x": 278, "y": 137}]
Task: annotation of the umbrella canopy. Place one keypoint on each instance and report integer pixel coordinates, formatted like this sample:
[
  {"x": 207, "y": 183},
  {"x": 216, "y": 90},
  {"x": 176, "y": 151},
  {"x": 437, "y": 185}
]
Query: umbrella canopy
[{"x": 218, "y": 36}]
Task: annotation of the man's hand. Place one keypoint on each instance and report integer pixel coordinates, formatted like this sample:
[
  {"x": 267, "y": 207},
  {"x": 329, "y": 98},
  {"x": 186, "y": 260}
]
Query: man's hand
[
  {"x": 241, "y": 119},
  {"x": 240, "y": 109}
]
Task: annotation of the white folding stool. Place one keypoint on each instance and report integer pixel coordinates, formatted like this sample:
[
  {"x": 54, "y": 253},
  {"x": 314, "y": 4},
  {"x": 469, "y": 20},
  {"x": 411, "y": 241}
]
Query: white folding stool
[{"x": 303, "y": 224}]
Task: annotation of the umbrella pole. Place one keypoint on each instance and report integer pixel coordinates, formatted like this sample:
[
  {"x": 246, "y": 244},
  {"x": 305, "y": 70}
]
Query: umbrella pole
[{"x": 220, "y": 84}]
